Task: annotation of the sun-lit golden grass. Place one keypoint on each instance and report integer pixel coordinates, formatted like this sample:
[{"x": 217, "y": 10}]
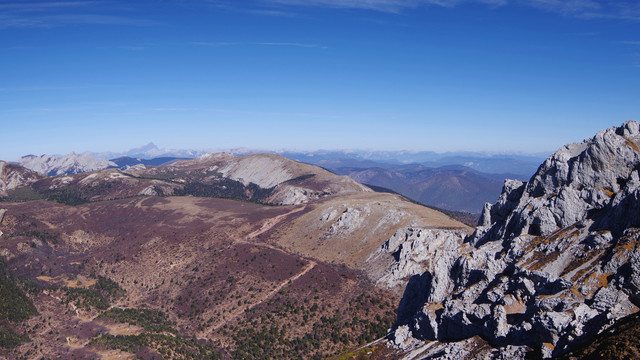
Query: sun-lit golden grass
[
  {"x": 630, "y": 143},
  {"x": 608, "y": 192},
  {"x": 75, "y": 282},
  {"x": 379, "y": 216},
  {"x": 124, "y": 329},
  {"x": 116, "y": 355}
]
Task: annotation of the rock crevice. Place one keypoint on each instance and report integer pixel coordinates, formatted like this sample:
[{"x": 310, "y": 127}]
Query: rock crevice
[{"x": 553, "y": 262}]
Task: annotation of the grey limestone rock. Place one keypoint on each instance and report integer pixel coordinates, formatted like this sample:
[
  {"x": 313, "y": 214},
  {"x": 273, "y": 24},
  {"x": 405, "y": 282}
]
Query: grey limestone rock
[
  {"x": 416, "y": 250},
  {"x": 554, "y": 260},
  {"x": 71, "y": 163}
]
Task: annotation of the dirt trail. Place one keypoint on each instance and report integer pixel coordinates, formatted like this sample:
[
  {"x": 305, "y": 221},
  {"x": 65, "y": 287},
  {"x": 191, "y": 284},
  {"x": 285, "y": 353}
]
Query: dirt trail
[
  {"x": 262, "y": 299},
  {"x": 126, "y": 329},
  {"x": 50, "y": 225},
  {"x": 139, "y": 203},
  {"x": 269, "y": 224}
]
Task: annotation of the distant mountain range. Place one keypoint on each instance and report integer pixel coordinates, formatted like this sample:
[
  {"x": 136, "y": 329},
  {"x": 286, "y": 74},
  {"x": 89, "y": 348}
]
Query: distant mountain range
[
  {"x": 522, "y": 165},
  {"x": 518, "y": 165},
  {"x": 462, "y": 181},
  {"x": 151, "y": 151},
  {"x": 126, "y": 161},
  {"x": 457, "y": 188}
]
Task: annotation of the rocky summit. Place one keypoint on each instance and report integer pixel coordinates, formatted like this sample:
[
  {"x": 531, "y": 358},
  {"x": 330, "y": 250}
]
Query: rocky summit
[
  {"x": 71, "y": 163},
  {"x": 553, "y": 263}
]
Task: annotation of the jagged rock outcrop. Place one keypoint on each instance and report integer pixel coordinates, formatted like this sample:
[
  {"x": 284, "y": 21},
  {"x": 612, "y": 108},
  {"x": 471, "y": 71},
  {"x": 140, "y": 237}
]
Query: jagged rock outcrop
[
  {"x": 14, "y": 176},
  {"x": 416, "y": 250},
  {"x": 2, "y": 212},
  {"x": 555, "y": 261},
  {"x": 71, "y": 163}
]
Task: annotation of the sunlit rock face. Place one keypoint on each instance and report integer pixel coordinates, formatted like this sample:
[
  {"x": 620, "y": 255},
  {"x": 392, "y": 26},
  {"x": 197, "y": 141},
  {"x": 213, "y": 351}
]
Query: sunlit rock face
[
  {"x": 71, "y": 163},
  {"x": 15, "y": 176},
  {"x": 553, "y": 262}
]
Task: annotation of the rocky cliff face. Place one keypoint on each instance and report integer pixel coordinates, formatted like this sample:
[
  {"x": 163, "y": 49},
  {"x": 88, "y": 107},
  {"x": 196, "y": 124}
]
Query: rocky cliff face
[
  {"x": 414, "y": 251},
  {"x": 554, "y": 262},
  {"x": 71, "y": 163},
  {"x": 13, "y": 176}
]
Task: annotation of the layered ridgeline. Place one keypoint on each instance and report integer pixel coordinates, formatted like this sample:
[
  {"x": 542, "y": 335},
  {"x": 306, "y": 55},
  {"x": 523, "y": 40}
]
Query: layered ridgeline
[
  {"x": 440, "y": 184},
  {"x": 221, "y": 256},
  {"x": 71, "y": 163},
  {"x": 260, "y": 178},
  {"x": 551, "y": 265}
]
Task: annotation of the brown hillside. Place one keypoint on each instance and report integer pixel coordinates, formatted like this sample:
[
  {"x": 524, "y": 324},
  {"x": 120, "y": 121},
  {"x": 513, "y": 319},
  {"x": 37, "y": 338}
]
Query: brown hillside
[{"x": 202, "y": 277}]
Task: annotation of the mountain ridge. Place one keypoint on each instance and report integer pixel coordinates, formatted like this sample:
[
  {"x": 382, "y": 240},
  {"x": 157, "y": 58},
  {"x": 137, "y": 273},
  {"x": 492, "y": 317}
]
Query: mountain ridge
[
  {"x": 72, "y": 163},
  {"x": 197, "y": 259},
  {"x": 552, "y": 263},
  {"x": 452, "y": 187},
  {"x": 456, "y": 187}
]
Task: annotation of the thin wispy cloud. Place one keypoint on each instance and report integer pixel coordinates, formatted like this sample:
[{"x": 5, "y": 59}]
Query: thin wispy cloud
[
  {"x": 133, "y": 48},
  {"x": 30, "y": 6},
  {"x": 626, "y": 42},
  {"x": 257, "y": 7},
  {"x": 566, "y": 7},
  {"x": 61, "y": 20},
  {"x": 291, "y": 45},
  {"x": 214, "y": 43},
  {"x": 588, "y": 9},
  {"x": 393, "y": 6},
  {"x": 269, "y": 12},
  {"x": 41, "y": 14},
  {"x": 56, "y": 88},
  {"x": 283, "y": 44},
  {"x": 260, "y": 113}
]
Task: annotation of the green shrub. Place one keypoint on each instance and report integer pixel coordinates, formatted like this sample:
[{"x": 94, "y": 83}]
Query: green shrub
[
  {"x": 65, "y": 195},
  {"x": 14, "y": 304},
  {"x": 151, "y": 320},
  {"x": 9, "y": 339},
  {"x": 22, "y": 194},
  {"x": 108, "y": 286},
  {"x": 45, "y": 236},
  {"x": 179, "y": 347},
  {"x": 86, "y": 298}
]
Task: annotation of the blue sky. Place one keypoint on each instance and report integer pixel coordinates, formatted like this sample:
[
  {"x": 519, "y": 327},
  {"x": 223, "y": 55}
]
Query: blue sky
[{"x": 490, "y": 75}]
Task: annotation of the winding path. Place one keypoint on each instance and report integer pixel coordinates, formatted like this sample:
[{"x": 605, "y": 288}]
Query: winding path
[
  {"x": 268, "y": 225},
  {"x": 249, "y": 239},
  {"x": 262, "y": 299}
]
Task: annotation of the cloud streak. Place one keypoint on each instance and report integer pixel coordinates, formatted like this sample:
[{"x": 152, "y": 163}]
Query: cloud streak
[
  {"x": 587, "y": 9},
  {"x": 30, "y": 13},
  {"x": 291, "y": 45},
  {"x": 56, "y": 88},
  {"x": 629, "y": 42},
  {"x": 39, "y": 14},
  {"x": 283, "y": 44},
  {"x": 26, "y": 6}
]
